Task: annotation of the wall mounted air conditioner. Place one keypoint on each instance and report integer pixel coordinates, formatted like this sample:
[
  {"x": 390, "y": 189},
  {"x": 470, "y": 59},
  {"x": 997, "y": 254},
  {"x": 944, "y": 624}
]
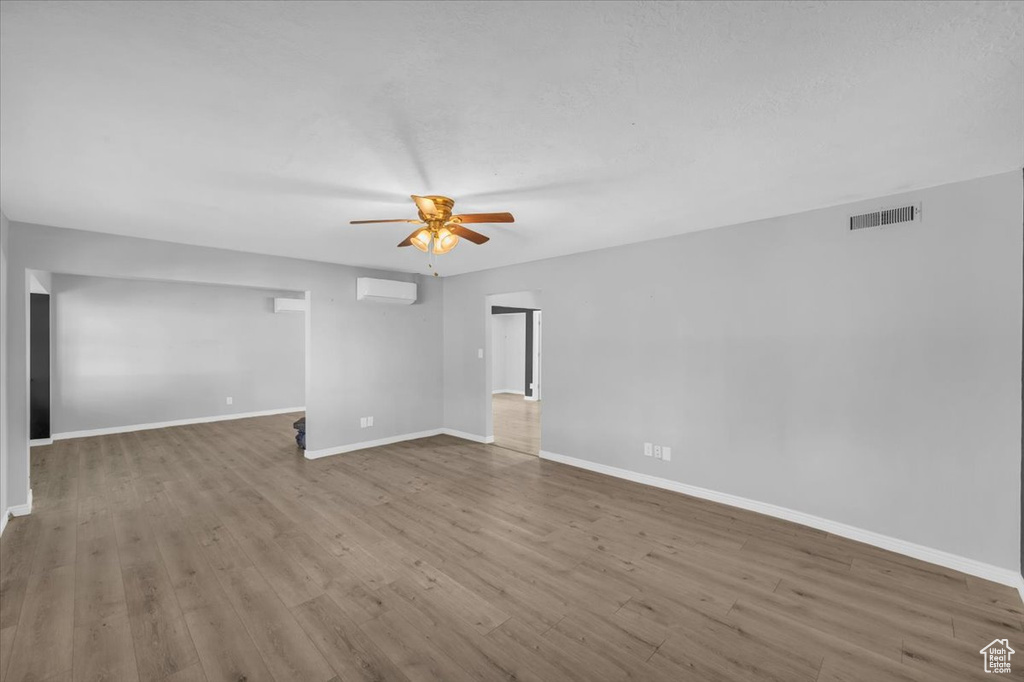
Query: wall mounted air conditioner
[
  {"x": 289, "y": 305},
  {"x": 385, "y": 291}
]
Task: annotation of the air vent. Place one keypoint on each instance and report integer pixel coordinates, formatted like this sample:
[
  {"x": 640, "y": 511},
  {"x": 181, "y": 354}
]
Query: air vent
[{"x": 889, "y": 216}]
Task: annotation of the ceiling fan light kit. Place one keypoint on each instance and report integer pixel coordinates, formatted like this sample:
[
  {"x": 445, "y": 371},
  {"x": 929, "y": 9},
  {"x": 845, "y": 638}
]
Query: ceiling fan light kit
[
  {"x": 421, "y": 240},
  {"x": 439, "y": 231},
  {"x": 444, "y": 241}
]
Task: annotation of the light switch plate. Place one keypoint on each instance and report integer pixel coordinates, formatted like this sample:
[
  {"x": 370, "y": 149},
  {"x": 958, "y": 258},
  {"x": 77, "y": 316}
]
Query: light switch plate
[
  {"x": 369, "y": 421},
  {"x": 666, "y": 453},
  {"x": 480, "y": 353},
  {"x": 362, "y": 422},
  {"x": 648, "y": 450},
  {"x": 229, "y": 401}
]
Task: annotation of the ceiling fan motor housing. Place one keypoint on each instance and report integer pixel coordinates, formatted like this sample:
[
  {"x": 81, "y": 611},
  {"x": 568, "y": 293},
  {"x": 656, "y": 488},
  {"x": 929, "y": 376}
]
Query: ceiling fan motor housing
[
  {"x": 444, "y": 207},
  {"x": 439, "y": 230}
]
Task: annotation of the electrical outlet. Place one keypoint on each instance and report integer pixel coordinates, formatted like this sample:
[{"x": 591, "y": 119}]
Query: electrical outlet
[
  {"x": 657, "y": 452},
  {"x": 362, "y": 422},
  {"x": 666, "y": 453},
  {"x": 229, "y": 401},
  {"x": 648, "y": 450},
  {"x": 369, "y": 421}
]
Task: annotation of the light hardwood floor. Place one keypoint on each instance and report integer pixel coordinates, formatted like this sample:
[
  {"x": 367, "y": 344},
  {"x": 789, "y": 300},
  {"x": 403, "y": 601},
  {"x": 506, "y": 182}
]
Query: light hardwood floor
[
  {"x": 216, "y": 552},
  {"x": 516, "y": 423}
]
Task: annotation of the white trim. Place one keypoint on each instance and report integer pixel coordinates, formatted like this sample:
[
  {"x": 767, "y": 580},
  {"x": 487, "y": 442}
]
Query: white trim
[
  {"x": 1020, "y": 586},
  {"x": 469, "y": 436},
  {"x": 40, "y": 441},
  {"x": 532, "y": 398},
  {"x": 19, "y": 510},
  {"x": 22, "y": 509},
  {"x": 507, "y": 390},
  {"x": 934, "y": 556},
  {"x": 174, "y": 422},
  {"x": 351, "y": 447}
]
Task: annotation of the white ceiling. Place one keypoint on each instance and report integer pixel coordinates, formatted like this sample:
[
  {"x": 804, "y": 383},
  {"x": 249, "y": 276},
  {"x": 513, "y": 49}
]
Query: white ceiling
[{"x": 266, "y": 127}]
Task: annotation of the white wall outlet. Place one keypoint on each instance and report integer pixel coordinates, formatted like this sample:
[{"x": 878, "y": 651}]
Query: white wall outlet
[
  {"x": 369, "y": 421},
  {"x": 657, "y": 452},
  {"x": 362, "y": 422},
  {"x": 648, "y": 450},
  {"x": 666, "y": 453},
  {"x": 480, "y": 353},
  {"x": 229, "y": 401}
]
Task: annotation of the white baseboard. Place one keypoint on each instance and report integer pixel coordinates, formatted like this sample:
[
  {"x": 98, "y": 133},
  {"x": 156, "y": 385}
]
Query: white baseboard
[
  {"x": 17, "y": 510},
  {"x": 40, "y": 441},
  {"x": 352, "y": 447},
  {"x": 507, "y": 390},
  {"x": 175, "y": 422},
  {"x": 532, "y": 399},
  {"x": 973, "y": 567},
  {"x": 22, "y": 509},
  {"x": 469, "y": 436}
]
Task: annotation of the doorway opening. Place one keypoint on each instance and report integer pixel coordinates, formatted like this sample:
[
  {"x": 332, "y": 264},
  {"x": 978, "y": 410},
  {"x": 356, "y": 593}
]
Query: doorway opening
[
  {"x": 39, "y": 358},
  {"x": 139, "y": 354},
  {"x": 515, "y": 321}
]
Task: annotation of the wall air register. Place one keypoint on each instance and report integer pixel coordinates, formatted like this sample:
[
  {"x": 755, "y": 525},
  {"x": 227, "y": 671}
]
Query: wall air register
[{"x": 888, "y": 216}]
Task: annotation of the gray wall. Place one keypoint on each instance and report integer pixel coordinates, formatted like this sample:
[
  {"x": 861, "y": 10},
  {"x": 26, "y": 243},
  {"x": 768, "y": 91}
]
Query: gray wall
[
  {"x": 508, "y": 352},
  {"x": 132, "y": 352},
  {"x": 517, "y": 299},
  {"x": 870, "y": 378},
  {"x": 365, "y": 359},
  {"x": 4, "y": 324}
]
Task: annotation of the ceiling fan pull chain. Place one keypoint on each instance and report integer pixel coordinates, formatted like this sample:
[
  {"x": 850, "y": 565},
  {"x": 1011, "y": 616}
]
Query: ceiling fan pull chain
[{"x": 430, "y": 256}]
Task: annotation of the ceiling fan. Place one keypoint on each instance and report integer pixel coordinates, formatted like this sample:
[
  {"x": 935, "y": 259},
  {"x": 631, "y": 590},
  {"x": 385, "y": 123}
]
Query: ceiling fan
[{"x": 439, "y": 230}]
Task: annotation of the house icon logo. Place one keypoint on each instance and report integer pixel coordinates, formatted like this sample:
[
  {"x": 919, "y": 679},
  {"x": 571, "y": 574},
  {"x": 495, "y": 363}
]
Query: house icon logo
[{"x": 997, "y": 656}]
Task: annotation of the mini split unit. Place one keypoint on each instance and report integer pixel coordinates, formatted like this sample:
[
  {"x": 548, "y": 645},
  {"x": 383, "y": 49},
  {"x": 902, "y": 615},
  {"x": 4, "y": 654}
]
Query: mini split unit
[
  {"x": 385, "y": 291},
  {"x": 289, "y": 305}
]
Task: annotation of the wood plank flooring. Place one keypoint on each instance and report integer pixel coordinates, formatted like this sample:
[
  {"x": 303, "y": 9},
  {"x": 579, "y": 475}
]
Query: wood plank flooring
[
  {"x": 216, "y": 552},
  {"x": 516, "y": 423}
]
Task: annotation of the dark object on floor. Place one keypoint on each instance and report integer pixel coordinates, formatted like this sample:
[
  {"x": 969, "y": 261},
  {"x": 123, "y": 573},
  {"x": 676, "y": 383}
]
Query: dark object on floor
[{"x": 300, "y": 436}]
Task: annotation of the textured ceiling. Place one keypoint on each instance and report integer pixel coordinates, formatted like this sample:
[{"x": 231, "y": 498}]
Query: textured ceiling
[{"x": 267, "y": 127}]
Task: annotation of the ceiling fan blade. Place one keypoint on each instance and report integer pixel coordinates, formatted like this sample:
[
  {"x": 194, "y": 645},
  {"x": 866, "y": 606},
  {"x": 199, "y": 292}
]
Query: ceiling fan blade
[
  {"x": 408, "y": 240},
  {"x": 395, "y": 220},
  {"x": 425, "y": 205},
  {"x": 484, "y": 218},
  {"x": 467, "y": 233}
]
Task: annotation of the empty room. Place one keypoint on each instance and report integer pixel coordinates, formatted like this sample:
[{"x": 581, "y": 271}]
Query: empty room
[{"x": 538, "y": 341}]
